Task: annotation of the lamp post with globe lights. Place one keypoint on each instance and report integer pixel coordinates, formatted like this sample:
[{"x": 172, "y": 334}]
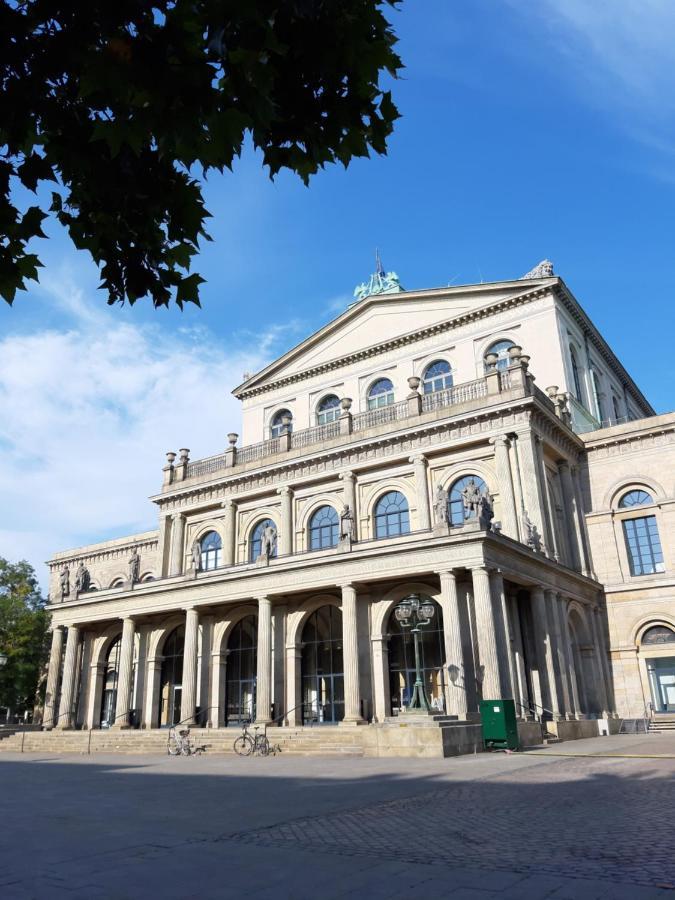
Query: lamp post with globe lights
[
  {"x": 413, "y": 612},
  {"x": 3, "y": 663}
]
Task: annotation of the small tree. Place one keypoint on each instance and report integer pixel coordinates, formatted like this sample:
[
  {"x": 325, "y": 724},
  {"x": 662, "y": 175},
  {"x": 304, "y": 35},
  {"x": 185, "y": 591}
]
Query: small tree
[
  {"x": 24, "y": 625},
  {"x": 123, "y": 105}
]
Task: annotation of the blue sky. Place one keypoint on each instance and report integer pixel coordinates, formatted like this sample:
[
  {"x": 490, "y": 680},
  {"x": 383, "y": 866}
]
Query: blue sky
[{"x": 527, "y": 131}]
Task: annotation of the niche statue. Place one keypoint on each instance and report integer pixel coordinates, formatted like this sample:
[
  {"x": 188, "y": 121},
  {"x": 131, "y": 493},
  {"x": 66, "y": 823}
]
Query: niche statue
[
  {"x": 134, "y": 567},
  {"x": 64, "y": 582},
  {"x": 82, "y": 578}
]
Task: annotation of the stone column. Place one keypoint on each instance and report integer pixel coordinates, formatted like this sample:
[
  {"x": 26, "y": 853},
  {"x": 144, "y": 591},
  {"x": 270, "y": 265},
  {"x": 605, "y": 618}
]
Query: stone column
[
  {"x": 601, "y": 691},
  {"x": 263, "y": 706},
  {"x": 455, "y": 700},
  {"x": 152, "y": 698},
  {"x": 486, "y": 633},
  {"x": 542, "y": 639},
  {"x": 279, "y": 620},
  {"x": 502, "y": 634},
  {"x": 188, "y": 701},
  {"x": 549, "y": 525},
  {"x": 565, "y": 656},
  {"x": 96, "y": 674},
  {"x": 423, "y": 510},
  {"x": 519, "y": 656},
  {"x": 217, "y": 696},
  {"x": 529, "y": 479},
  {"x": 505, "y": 482},
  {"x": 286, "y": 531},
  {"x": 229, "y": 528},
  {"x": 124, "y": 674},
  {"x": 68, "y": 685},
  {"x": 559, "y": 658},
  {"x": 349, "y": 479},
  {"x": 605, "y": 659},
  {"x": 53, "y": 677},
  {"x": 350, "y": 657},
  {"x": 571, "y": 521},
  {"x": 177, "y": 539}
]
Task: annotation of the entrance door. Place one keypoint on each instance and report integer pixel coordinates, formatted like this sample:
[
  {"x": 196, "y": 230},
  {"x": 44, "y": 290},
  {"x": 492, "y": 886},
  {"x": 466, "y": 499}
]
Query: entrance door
[
  {"x": 108, "y": 708},
  {"x": 662, "y": 681},
  {"x": 172, "y": 678},
  {"x": 323, "y": 692}
]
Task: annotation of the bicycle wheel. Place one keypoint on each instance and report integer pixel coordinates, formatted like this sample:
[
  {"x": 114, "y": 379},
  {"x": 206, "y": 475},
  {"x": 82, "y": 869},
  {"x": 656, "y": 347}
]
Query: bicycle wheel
[
  {"x": 243, "y": 745},
  {"x": 172, "y": 748},
  {"x": 263, "y": 746}
]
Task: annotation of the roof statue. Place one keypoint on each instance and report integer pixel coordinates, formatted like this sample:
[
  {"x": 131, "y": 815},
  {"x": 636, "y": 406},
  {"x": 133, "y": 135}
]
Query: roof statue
[
  {"x": 380, "y": 282},
  {"x": 543, "y": 270}
]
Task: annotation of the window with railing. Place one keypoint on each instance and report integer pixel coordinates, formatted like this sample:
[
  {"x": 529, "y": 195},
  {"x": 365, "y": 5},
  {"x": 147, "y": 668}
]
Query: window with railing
[
  {"x": 437, "y": 376},
  {"x": 328, "y": 410},
  {"x": 282, "y": 420},
  {"x": 501, "y": 349},
  {"x": 381, "y": 393}
]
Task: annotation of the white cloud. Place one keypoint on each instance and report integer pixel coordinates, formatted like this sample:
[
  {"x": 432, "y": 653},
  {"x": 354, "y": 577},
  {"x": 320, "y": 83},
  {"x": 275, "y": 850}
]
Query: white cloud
[{"x": 90, "y": 408}]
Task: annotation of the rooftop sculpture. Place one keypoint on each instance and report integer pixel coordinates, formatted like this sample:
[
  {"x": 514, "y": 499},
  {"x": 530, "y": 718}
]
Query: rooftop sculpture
[
  {"x": 380, "y": 282},
  {"x": 544, "y": 269}
]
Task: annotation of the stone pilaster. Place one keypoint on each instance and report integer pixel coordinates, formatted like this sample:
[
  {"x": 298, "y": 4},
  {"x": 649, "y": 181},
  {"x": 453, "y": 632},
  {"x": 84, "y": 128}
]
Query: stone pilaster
[
  {"x": 263, "y": 706},
  {"x": 456, "y": 701},
  {"x": 488, "y": 655},
  {"x": 293, "y": 712},
  {"x": 349, "y": 481},
  {"x": 557, "y": 653},
  {"x": 422, "y": 490},
  {"x": 286, "y": 533},
  {"x": 509, "y": 512},
  {"x": 547, "y": 516},
  {"x": 96, "y": 675},
  {"x": 580, "y": 522},
  {"x": 53, "y": 674},
  {"x": 542, "y": 639},
  {"x": 68, "y": 685},
  {"x": 229, "y": 520},
  {"x": 177, "y": 541},
  {"x": 151, "y": 700},
  {"x": 574, "y": 538},
  {"x": 350, "y": 656},
  {"x": 216, "y": 715},
  {"x": 601, "y": 691},
  {"x": 520, "y": 685},
  {"x": 188, "y": 703},
  {"x": 380, "y": 677},
  {"x": 529, "y": 481},
  {"x": 124, "y": 686},
  {"x": 564, "y": 654}
]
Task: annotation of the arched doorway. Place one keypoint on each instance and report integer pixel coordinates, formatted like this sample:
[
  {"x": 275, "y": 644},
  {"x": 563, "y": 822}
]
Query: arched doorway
[
  {"x": 110, "y": 678},
  {"x": 658, "y": 648},
  {"x": 172, "y": 677},
  {"x": 401, "y": 653},
  {"x": 323, "y": 693},
  {"x": 240, "y": 679}
]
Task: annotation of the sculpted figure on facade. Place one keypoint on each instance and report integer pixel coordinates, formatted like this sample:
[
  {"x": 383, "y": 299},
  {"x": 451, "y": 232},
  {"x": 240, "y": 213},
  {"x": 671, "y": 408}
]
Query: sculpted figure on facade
[
  {"x": 471, "y": 498},
  {"x": 544, "y": 269},
  {"x": 64, "y": 582},
  {"x": 485, "y": 510},
  {"x": 196, "y": 557},
  {"x": 532, "y": 536},
  {"x": 346, "y": 524},
  {"x": 440, "y": 505},
  {"x": 82, "y": 578},
  {"x": 268, "y": 543},
  {"x": 134, "y": 566}
]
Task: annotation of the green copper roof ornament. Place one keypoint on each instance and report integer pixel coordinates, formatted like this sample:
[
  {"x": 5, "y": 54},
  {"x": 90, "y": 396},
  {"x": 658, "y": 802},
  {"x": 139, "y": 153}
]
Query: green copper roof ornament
[{"x": 380, "y": 282}]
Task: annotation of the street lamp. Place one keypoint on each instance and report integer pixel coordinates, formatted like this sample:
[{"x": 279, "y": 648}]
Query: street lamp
[{"x": 414, "y": 613}]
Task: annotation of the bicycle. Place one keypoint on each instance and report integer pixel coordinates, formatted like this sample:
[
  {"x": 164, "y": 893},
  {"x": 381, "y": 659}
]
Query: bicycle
[
  {"x": 181, "y": 745},
  {"x": 248, "y": 744}
]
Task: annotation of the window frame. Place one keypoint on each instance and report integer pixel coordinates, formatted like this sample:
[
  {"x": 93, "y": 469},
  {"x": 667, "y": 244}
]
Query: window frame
[
  {"x": 382, "y": 398},
  {"x": 276, "y": 427},
  {"x": 429, "y": 383},
  {"x": 403, "y": 516},
  {"x": 502, "y": 360},
  {"x": 333, "y": 526},
  {"x": 212, "y": 557},
  {"x": 253, "y": 540},
  {"x": 331, "y": 413}
]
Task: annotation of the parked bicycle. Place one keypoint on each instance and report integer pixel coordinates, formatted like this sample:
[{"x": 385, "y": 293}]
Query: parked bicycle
[
  {"x": 254, "y": 744},
  {"x": 179, "y": 744}
]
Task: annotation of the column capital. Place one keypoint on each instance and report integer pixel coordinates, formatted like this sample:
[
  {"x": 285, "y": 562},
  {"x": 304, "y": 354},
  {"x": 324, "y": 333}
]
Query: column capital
[
  {"x": 285, "y": 490},
  {"x": 131, "y": 619},
  {"x": 347, "y": 476},
  {"x": 501, "y": 440},
  {"x": 550, "y": 592},
  {"x": 190, "y": 609},
  {"x": 563, "y": 464},
  {"x": 177, "y": 516},
  {"x": 228, "y": 504},
  {"x": 264, "y": 598},
  {"x": 448, "y": 573},
  {"x": 418, "y": 459},
  {"x": 346, "y": 585}
]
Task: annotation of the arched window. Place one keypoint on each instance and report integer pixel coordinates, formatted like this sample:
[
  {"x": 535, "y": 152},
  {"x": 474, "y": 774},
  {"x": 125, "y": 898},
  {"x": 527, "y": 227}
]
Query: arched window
[
  {"x": 277, "y": 425},
  {"x": 456, "y": 510},
  {"x": 241, "y": 672},
  {"x": 328, "y": 410},
  {"x": 118, "y": 582},
  {"x": 575, "y": 375},
  {"x": 148, "y": 577},
  {"x": 323, "y": 693},
  {"x": 391, "y": 515},
  {"x": 381, "y": 393},
  {"x": 255, "y": 547},
  {"x": 110, "y": 677},
  {"x": 617, "y": 410},
  {"x": 636, "y": 497},
  {"x": 324, "y": 528},
  {"x": 597, "y": 396},
  {"x": 501, "y": 348},
  {"x": 437, "y": 376},
  {"x": 212, "y": 551},
  {"x": 658, "y": 634}
]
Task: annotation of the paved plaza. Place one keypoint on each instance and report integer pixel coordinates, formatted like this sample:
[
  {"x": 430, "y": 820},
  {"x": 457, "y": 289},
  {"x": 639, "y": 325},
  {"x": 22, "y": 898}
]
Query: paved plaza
[{"x": 558, "y": 823}]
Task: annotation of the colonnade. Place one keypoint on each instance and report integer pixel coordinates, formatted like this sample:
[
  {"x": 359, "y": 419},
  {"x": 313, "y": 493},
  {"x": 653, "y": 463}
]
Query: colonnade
[{"x": 498, "y": 642}]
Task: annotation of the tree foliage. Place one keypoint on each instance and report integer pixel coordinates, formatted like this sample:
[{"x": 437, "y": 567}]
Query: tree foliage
[
  {"x": 23, "y": 634},
  {"x": 124, "y": 105}
]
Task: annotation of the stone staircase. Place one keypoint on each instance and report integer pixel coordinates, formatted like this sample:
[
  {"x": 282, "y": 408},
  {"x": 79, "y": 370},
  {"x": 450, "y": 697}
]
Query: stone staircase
[
  {"x": 662, "y": 723},
  {"x": 317, "y": 741}
]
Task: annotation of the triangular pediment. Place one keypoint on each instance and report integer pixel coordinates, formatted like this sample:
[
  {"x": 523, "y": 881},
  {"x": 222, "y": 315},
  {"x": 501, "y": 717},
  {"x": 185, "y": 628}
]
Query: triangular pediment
[{"x": 379, "y": 319}]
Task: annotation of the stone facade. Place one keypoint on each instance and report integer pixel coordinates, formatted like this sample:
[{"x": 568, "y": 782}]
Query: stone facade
[{"x": 214, "y": 629}]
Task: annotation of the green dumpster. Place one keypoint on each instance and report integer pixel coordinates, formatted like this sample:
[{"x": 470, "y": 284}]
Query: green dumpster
[{"x": 500, "y": 729}]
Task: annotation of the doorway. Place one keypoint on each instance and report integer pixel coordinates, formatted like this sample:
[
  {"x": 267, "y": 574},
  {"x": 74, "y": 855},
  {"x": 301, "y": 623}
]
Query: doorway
[
  {"x": 323, "y": 692},
  {"x": 172, "y": 677}
]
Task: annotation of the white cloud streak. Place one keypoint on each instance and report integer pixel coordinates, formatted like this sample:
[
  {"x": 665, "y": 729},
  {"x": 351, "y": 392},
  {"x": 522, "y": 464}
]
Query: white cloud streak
[{"x": 87, "y": 411}]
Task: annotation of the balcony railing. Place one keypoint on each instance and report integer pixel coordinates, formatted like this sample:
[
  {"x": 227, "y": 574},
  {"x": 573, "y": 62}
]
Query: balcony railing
[{"x": 492, "y": 384}]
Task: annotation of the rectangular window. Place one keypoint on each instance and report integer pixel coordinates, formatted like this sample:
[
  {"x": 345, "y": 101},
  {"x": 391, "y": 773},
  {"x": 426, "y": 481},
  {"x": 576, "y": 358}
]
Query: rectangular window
[{"x": 643, "y": 546}]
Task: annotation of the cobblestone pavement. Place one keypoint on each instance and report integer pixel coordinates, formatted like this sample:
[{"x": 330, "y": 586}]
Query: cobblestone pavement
[{"x": 553, "y": 824}]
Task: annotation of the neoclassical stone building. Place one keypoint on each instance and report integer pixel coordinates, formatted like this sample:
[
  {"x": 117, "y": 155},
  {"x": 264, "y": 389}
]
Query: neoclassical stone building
[{"x": 405, "y": 448}]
